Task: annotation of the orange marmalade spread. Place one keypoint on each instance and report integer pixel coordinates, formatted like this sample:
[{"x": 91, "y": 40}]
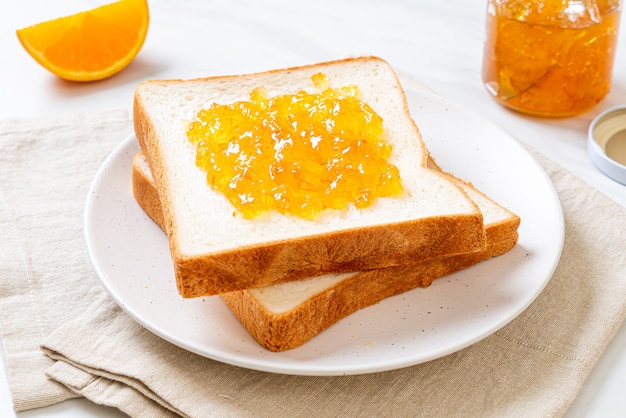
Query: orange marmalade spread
[{"x": 298, "y": 154}]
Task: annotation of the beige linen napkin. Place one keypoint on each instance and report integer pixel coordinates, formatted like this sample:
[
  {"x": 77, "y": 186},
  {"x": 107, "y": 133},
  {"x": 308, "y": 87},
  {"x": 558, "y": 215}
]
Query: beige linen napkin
[
  {"x": 46, "y": 167},
  {"x": 532, "y": 367}
]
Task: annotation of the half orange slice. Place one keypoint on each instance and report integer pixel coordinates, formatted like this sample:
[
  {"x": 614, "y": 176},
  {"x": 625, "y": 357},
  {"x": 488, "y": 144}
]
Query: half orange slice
[{"x": 90, "y": 45}]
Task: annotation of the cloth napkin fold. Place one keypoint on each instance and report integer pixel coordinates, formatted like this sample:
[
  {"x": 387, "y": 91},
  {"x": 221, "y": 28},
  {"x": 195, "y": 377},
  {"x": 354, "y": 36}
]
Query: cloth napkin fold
[{"x": 49, "y": 295}]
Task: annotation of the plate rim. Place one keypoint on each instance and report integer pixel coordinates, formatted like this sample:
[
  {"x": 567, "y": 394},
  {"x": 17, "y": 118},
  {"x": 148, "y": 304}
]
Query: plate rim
[{"x": 268, "y": 366}]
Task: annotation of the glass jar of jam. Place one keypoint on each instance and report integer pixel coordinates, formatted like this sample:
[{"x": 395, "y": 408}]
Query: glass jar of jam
[{"x": 550, "y": 58}]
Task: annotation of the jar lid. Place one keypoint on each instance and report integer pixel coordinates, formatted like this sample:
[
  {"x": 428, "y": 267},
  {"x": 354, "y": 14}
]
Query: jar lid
[{"x": 606, "y": 143}]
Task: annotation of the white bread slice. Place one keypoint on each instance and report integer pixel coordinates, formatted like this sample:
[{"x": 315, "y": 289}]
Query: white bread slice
[
  {"x": 284, "y": 316},
  {"x": 215, "y": 251}
]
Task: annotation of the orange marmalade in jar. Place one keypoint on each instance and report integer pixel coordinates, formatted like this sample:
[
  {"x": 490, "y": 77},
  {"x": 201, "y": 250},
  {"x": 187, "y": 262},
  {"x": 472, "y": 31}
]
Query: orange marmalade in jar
[{"x": 550, "y": 58}]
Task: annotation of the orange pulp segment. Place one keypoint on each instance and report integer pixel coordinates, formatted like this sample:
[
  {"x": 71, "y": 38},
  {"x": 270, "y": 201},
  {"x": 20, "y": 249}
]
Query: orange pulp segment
[{"x": 90, "y": 45}]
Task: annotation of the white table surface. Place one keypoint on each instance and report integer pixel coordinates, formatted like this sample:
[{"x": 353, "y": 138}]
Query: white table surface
[{"x": 438, "y": 43}]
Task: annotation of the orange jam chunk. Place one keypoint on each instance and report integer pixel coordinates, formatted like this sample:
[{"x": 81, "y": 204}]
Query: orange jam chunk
[{"x": 298, "y": 154}]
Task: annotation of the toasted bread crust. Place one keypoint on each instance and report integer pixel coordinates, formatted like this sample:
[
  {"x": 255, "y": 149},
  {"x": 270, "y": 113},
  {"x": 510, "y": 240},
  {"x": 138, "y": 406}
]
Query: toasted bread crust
[
  {"x": 288, "y": 330},
  {"x": 145, "y": 192},
  {"x": 360, "y": 249},
  {"x": 293, "y": 259}
]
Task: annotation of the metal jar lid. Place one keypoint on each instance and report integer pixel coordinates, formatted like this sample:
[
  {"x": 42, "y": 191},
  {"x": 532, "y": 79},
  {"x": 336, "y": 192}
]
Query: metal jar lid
[{"x": 606, "y": 143}]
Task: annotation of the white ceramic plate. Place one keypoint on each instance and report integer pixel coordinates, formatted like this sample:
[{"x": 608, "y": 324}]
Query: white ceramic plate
[{"x": 130, "y": 255}]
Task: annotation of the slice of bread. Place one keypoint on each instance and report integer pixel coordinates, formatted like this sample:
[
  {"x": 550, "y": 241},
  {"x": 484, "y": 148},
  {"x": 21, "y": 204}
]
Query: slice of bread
[
  {"x": 284, "y": 316},
  {"x": 215, "y": 251}
]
